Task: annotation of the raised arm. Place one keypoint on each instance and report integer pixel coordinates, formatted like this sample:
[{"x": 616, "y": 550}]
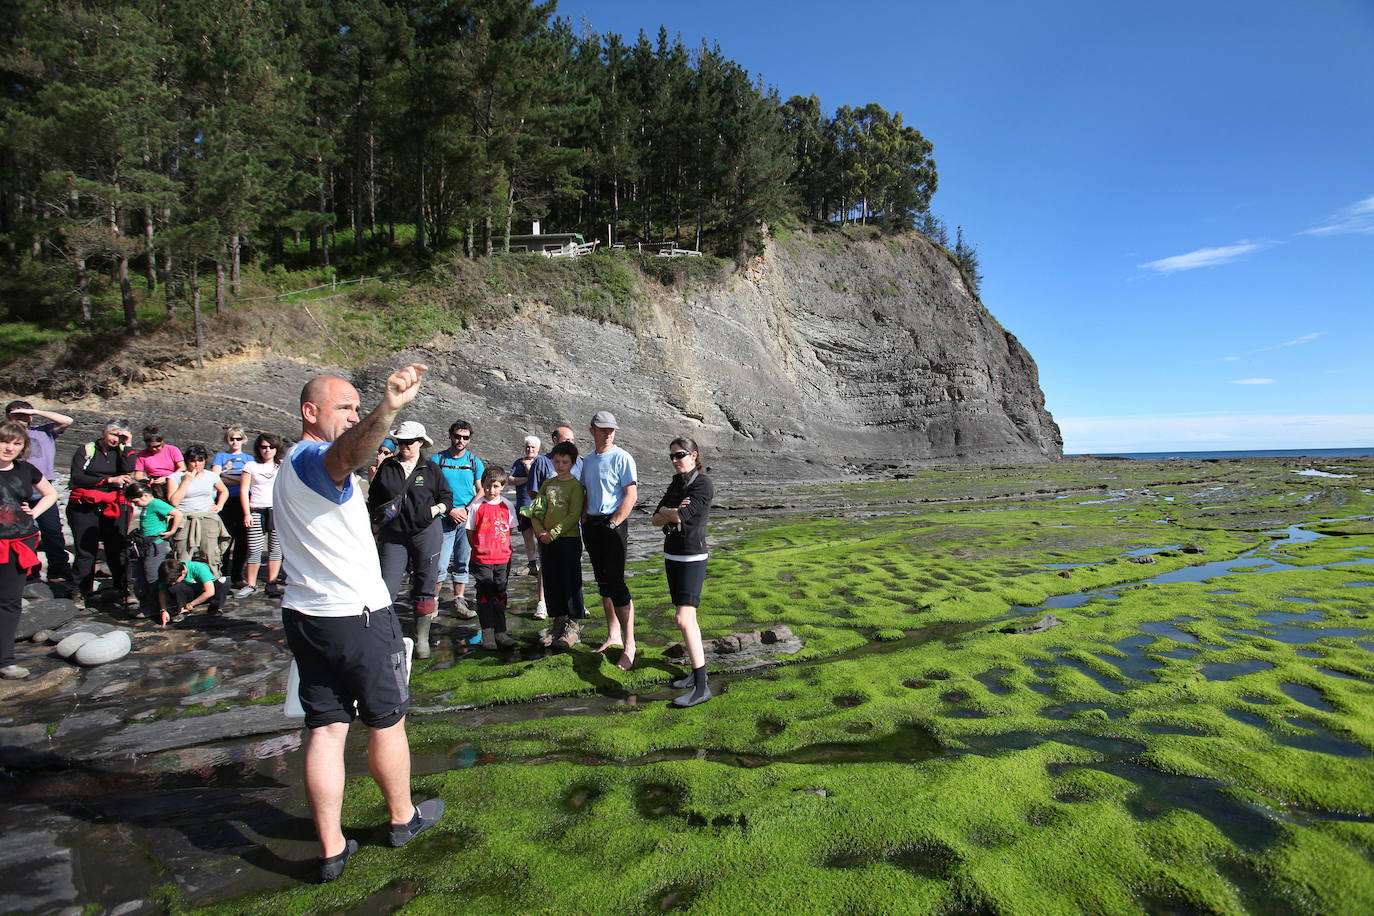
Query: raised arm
[{"x": 355, "y": 446}]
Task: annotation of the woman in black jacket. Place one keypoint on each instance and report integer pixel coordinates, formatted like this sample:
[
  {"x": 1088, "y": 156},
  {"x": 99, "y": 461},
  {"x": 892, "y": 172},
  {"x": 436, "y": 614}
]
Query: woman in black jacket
[
  {"x": 96, "y": 509},
  {"x": 682, "y": 513},
  {"x": 407, "y": 497}
]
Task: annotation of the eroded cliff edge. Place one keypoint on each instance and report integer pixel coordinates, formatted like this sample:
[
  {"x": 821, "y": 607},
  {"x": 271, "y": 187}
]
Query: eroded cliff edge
[
  {"x": 842, "y": 351},
  {"x": 826, "y": 351}
]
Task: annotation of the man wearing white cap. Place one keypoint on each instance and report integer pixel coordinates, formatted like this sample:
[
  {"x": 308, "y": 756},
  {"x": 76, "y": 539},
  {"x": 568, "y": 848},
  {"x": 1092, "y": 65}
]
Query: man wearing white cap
[{"x": 612, "y": 484}]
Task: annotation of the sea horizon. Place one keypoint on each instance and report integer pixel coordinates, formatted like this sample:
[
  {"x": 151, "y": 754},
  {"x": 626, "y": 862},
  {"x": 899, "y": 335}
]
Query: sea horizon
[{"x": 1350, "y": 452}]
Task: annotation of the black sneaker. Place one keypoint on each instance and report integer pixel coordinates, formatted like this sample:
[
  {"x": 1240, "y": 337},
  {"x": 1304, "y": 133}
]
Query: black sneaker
[
  {"x": 333, "y": 866},
  {"x": 427, "y": 814}
]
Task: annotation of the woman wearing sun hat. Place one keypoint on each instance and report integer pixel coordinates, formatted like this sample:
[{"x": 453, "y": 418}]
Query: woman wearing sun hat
[{"x": 406, "y": 500}]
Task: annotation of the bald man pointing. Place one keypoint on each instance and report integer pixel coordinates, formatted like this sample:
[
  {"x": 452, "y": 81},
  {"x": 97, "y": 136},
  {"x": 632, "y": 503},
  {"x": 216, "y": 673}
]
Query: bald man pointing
[{"x": 337, "y": 610}]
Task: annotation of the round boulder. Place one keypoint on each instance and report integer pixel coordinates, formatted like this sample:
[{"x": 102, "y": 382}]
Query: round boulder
[
  {"x": 102, "y": 649},
  {"x": 68, "y": 646}
]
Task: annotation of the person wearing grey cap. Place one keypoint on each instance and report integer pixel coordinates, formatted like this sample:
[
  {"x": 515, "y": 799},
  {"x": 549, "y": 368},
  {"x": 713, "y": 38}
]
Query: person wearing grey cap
[
  {"x": 612, "y": 484},
  {"x": 407, "y": 498}
]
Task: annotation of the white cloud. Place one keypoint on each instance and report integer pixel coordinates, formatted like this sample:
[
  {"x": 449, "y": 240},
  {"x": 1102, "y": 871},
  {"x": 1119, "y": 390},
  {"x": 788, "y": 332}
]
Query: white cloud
[
  {"x": 1203, "y": 257},
  {"x": 1296, "y": 341},
  {"x": 1108, "y": 435},
  {"x": 1252, "y": 381},
  {"x": 1358, "y": 217}
]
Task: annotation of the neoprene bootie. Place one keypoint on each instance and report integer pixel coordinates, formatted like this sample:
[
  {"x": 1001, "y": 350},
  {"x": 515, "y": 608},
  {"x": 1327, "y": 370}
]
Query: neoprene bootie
[{"x": 700, "y": 692}]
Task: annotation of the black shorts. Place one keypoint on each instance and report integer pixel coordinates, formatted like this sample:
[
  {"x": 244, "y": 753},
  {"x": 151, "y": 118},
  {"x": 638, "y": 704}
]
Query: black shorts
[
  {"x": 606, "y": 548},
  {"x": 685, "y": 581},
  {"x": 345, "y": 661},
  {"x": 523, "y": 523}
]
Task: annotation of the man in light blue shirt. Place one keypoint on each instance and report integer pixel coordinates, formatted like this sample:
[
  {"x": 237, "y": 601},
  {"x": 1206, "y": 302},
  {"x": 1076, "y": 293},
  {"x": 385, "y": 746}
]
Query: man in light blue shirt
[{"x": 611, "y": 480}]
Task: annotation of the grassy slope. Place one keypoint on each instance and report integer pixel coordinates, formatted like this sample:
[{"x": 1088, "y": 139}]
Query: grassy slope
[{"x": 1063, "y": 786}]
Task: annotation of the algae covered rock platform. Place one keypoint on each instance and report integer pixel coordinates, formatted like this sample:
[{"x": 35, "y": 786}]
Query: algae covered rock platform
[{"x": 1196, "y": 736}]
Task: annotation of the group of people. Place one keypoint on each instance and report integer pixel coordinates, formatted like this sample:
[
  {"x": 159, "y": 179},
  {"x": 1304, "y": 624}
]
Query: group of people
[
  {"x": 345, "y": 546},
  {"x": 339, "y": 609},
  {"x": 456, "y": 526}
]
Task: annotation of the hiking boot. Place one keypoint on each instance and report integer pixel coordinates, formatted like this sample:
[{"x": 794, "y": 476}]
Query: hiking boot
[
  {"x": 332, "y": 867},
  {"x": 427, "y": 814},
  {"x": 550, "y": 636},
  {"x": 532, "y": 569},
  {"x": 571, "y": 636},
  {"x": 13, "y": 672},
  {"x": 462, "y": 609},
  {"x": 541, "y": 611},
  {"x": 488, "y": 640},
  {"x": 505, "y": 640}
]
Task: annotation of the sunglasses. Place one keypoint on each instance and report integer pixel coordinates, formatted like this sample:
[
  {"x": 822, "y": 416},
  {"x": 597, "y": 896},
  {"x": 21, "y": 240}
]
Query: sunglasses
[
  {"x": 677, "y": 456},
  {"x": 265, "y": 445},
  {"x": 236, "y": 438},
  {"x": 404, "y": 442},
  {"x": 460, "y": 436}
]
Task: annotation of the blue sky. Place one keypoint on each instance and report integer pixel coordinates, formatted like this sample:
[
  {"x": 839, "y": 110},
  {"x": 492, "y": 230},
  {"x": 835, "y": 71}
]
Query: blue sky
[{"x": 1173, "y": 202}]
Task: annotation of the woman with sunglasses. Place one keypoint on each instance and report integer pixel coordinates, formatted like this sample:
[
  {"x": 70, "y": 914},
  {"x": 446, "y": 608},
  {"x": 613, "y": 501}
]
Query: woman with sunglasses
[
  {"x": 200, "y": 495},
  {"x": 407, "y": 498},
  {"x": 255, "y": 498},
  {"x": 682, "y": 514},
  {"x": 228, "y": 464}
]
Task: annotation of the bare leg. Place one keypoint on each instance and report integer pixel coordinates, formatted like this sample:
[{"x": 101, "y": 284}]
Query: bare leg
[
  {"x": 250, "y": 573},
  {"x": 691, "y": 634},
  {"x": 612, "y": 626},
  {"x": 273, "y": 570},
  {"x": 388, "y": 759},
  {"x": 324, "y": 784},
  {"x": 626, "y": 616}
]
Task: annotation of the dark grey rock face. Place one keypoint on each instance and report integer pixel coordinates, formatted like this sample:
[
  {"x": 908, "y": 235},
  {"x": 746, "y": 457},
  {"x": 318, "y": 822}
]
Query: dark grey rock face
[{"x": 823, "y": 353}]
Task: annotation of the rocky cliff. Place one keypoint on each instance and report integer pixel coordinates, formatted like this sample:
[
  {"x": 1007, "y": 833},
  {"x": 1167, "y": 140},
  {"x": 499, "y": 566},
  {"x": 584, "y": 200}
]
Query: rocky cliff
[
  {"x": 825, "y": 351},
  {"x": 843, "y": 351}
]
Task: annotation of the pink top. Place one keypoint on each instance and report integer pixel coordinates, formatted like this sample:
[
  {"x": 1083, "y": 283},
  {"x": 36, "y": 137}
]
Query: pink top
[{"x": 161, "y": 464}]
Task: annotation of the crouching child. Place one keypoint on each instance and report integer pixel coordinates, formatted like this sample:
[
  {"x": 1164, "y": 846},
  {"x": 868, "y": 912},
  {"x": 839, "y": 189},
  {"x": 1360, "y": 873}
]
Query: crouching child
[
  {"x": 189, "y": 585},
  {"x": 488, "y": 531}
]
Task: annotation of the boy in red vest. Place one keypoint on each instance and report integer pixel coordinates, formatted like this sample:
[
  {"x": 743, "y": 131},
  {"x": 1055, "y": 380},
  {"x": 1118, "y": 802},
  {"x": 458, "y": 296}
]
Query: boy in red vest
[{"x": 488, "y": 530}]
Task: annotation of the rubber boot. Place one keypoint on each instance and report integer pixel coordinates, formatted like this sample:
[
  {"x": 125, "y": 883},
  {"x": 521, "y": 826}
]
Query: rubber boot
[
  {"x": 700, "y": 692},
  {"x": 422, "y": 635}
]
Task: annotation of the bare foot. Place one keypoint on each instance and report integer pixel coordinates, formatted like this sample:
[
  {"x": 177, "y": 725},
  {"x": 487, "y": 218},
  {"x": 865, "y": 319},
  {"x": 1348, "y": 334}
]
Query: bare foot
[
  {"x": 627, "y": 659},
  {"x": 610, "y": 641}
]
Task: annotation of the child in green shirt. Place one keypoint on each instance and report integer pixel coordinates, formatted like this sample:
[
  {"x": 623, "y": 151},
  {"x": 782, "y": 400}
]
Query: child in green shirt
[
  {"x": 555, "y": 515},
  {"x": 184, "y": 585},
  {"x": 157, "y": 524}
]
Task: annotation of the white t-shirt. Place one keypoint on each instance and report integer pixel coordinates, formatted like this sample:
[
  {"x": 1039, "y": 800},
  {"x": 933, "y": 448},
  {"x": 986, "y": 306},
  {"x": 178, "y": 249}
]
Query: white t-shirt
[
  {"x": 330, "y": 556},
  {"x": 200, "y": 493},
  {"x": 264, "y": 476}
]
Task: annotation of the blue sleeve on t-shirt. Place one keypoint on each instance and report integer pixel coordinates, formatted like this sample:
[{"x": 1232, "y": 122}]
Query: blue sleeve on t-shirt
[
  {"x": 308, "y": 462},
  {"x": 626, "y": 471}
]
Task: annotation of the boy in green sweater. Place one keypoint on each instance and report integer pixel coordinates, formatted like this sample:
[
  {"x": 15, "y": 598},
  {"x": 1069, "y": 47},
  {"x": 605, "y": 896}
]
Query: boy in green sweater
[{"x": 555, "y": 515}]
